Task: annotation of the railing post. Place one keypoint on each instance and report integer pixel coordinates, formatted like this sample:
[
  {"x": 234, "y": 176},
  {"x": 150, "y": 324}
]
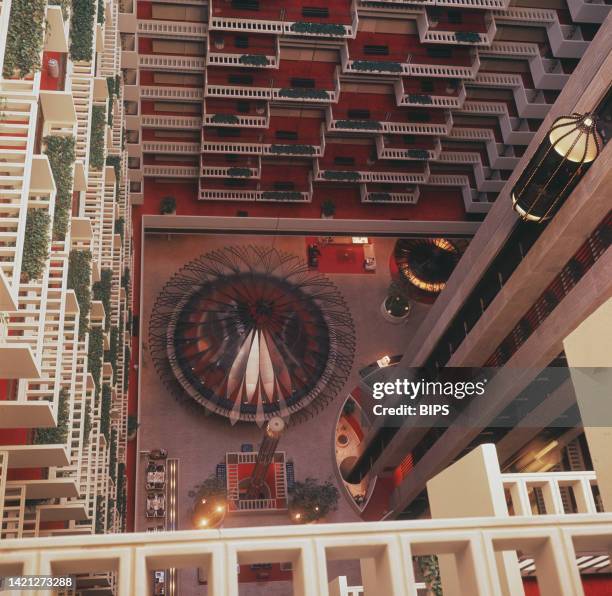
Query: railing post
[
  {"x": 590, "y": 345},
  {"x": 483, "y": 495}
]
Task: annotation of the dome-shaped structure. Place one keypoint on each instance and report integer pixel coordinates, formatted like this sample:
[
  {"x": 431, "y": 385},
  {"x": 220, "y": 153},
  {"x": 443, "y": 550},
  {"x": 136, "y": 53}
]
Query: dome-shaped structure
[
  {"x": 251, "y": 333},
  {"x": 424, "y": 265}
]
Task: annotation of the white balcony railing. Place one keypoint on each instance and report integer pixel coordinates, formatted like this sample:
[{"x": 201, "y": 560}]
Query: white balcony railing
[{"x": 386, "y": 550}]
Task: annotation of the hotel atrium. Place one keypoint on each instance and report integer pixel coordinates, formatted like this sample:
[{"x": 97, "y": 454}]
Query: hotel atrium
[{"x": 225, "y": 223}]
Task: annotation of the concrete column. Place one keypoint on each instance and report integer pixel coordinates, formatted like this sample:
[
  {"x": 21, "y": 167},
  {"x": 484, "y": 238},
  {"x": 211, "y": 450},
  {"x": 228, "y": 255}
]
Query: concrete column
[
  {"x": 472, "y": 487},
  {"x": 589, "y": 354}
]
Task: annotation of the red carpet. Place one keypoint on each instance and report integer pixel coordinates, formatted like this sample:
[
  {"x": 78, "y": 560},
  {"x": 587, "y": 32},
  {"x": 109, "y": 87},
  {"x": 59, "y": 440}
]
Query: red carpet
[{"x": 339, "y": 258}]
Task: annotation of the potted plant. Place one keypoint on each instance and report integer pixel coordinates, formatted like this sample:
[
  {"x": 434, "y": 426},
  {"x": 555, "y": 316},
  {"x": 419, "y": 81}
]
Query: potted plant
[
  {"x": 219, "y": 42},
  {"x": 310, "y": 500},
  {"x": 328, "y": 209},
  {"x": 396, "y": 306},
  {"x": 168, "y": 206}
]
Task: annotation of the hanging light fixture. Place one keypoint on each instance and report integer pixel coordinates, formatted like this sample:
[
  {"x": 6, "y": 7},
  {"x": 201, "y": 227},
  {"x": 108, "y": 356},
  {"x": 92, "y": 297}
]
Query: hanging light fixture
[{"x": 563, "y": 157}]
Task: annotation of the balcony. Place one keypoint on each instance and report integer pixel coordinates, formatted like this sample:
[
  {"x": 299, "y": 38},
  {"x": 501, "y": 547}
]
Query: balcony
[
  {"x": 323, "y": 88},
  {"x": 53, "y": 488},
  {"x": 440, "y": 93},
  {"x": 243, "y": 167},
  {"x": 282, "y": 19},
  {"x": 188, "y": 94},
  {"x": 384, "y": 550},
  {"x": 395, "y": 148},
  {"x": 172, "y": 29},
  {"x": 17, "y": 361},
  {"x": 159, "y": 121},
  {"x": 259, "y": 51},
  {"x": 383, "y": 117},
  {"x": 369, "y": 193},
  {"x": 170, "y": 171},
  {"x": 36, "y": 456},
  {"x": 172, "y": 63},
  {"x": 221, "y": 113},
  {"x": 355, "y": 164},
  {"x": 476, "y": 29}
]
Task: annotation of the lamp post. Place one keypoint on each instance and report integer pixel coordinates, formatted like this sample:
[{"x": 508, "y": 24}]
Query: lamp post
[
  {"x": 272, "y": 435},
  {"x": 558, "y": 164}
]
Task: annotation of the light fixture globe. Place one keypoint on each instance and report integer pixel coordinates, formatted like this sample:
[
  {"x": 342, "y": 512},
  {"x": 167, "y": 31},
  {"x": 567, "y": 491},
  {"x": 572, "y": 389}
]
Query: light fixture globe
[
  {"x": 251, "y": 333},
  {"x": 558, "y": 164}
]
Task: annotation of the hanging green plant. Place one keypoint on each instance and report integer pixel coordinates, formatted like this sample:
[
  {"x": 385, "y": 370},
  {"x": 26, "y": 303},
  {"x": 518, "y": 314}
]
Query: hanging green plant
[
  {"x": 112, "y": 456},
  {"x": 239, "y": 172},
  {"x": 292, "y": 149},
  {"x": 376, "y": 66},
  {"x": 343, "y": 175},
  {"x": 87, "y": 425},
  {"x": 430, "y": 569},
  {"x": 56, "y": 435},
  {"x": 100, "y": 529},
  {"x": 225, "y": 119},
  {"x": 120, "y": 227},
  {"x": 467, "y": 37},
  {"x": 115, "y": 161},
  {"x": 35, "y": 244},
  {"x": 79, "y": 280},
  {"x": 101, "y": 15},
  {"x": 329, "y": 29},
  {"x": 94, "y": 356},
  {"x": 302, "y": 93},
  {"x": 127, "y": 362},
  {"x": 111, "y": 354},
  {"x": 61, "y": 154},
  {"x": 105, "y": 408},
  {"x": 420, "y": 98},
  {"x": 102, "y": 292},
  {"x": 24, "y": 38},
  {"x": 125, "y": 278},
  {"x": 81, "y": 29},
  {"x": 359, "y": 124},
  {"x": 417, "y": 154},
  {"x": 253, "y": 60},
  {"x": 379, "y": 197},
  {"x": 96, "y": 137},
  {"x": 281, "y": 195}
]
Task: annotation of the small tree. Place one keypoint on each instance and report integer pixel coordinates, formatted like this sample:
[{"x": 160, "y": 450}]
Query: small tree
[
  {"x": 310, "y": 500},
  {"x": 349, "y": 407},
  {"x": 132, "y": 426},
  {"x": 167, "y": 205}
]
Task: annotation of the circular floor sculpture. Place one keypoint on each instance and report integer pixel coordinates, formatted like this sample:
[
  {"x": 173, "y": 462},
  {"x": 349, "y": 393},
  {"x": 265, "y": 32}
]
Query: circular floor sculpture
[{"x": 250, "y": 333}]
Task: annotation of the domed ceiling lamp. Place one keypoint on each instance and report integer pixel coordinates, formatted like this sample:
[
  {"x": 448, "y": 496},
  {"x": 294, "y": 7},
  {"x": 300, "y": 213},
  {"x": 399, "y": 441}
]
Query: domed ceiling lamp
[{"x": 561, "y": 160}]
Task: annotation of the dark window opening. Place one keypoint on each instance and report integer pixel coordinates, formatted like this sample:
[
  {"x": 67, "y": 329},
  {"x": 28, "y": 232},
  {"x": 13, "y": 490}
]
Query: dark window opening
[
  {"x": 315, "y": 11},
  {"x": 375, "y": 50}
]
